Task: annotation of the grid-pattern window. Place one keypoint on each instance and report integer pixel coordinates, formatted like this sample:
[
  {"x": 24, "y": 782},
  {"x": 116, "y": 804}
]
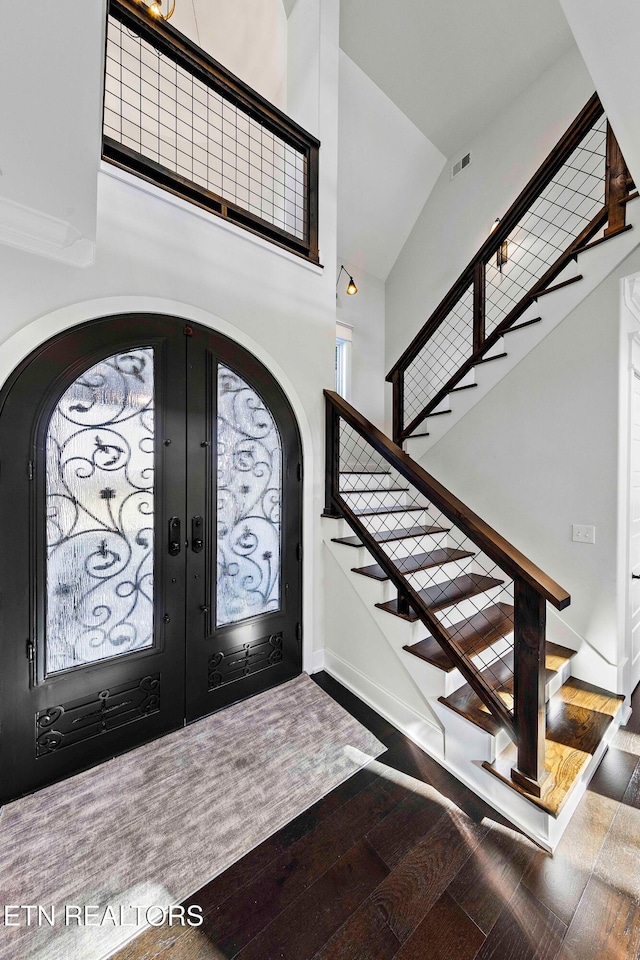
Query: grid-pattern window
[{"x": 160, "y": 110}]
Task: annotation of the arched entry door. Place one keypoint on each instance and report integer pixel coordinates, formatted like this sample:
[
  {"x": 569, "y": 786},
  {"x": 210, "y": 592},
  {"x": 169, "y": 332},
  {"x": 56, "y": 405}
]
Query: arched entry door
[{"x": 150, "y": 541}]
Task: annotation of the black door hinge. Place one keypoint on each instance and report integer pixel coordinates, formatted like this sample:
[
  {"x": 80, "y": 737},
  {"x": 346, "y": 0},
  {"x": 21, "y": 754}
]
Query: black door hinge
[
  {"x": 299, "y": 553},
  {"x": 299, "y": 632},
  {"x": 299, "y": 471},
  {"x": 30, "y": 470},
  {"x": 30, "y": 651}
]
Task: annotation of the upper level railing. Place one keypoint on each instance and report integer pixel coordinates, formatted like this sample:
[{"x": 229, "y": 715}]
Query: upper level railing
[
  {"x": 581, "y": 188},
  {"x": 176, "y": 117},
  {"x": 490, "y": 619}
]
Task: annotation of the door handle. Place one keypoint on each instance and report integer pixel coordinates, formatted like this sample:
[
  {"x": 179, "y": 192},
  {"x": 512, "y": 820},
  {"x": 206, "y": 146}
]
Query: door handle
[
  {"x": 174, "y": 536},
  {"x": 197, "y": 534},
  {"x": 635, "y": 576}
]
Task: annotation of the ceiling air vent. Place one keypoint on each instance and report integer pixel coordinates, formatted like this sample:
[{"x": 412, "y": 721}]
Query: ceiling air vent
[{"x": 460, "y": 165}]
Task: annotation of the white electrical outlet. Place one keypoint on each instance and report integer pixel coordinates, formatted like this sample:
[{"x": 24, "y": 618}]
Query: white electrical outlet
[{"x": 584, "y": 533}]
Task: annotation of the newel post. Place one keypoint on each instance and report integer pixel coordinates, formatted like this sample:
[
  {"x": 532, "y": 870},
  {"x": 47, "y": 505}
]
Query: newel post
[
  {"x": 397, "y": 380},
  {"x": 616, "y": 185},
  {"x": 479, "y": 277},
  {"x": 332, "y": 458},
  {"x": 529, "y": 686}
]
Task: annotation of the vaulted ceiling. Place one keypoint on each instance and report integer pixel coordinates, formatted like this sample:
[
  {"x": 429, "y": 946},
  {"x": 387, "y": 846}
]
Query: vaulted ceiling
[{"x": 450, "y": 67}]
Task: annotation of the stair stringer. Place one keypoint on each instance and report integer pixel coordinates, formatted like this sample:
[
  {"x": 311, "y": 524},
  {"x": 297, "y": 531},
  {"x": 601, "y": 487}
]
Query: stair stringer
[
  {"x": 595, "y": 265},
  {"x": 454, "y": 742},
  {"x": 353, "y": 661}
]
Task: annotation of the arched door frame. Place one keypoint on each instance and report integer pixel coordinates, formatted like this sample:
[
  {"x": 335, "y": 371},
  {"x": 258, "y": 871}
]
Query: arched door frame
[{"x": 21, "y": 344}]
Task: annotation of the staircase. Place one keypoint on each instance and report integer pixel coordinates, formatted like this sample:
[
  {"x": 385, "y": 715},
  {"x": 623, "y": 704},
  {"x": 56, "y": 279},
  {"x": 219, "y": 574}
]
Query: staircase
[
  {"x": 531, "y": 271},
  {"x": 463, "y": 611}
]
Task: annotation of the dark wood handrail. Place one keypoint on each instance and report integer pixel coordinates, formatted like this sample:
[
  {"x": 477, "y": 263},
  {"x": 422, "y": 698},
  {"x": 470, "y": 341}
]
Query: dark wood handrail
[
  {"x": 179, "y": 48},
  {"x": 503, "y": 553},
  {"x": 591, "y": 112}
]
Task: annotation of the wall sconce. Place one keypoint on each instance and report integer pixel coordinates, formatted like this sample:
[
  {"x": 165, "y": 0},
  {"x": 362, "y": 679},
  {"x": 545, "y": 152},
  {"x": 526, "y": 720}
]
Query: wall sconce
[
  {"x": 351, "y": 287},
  {"x": 155, "y": 9},
  {"x": 502, "y": 254}
]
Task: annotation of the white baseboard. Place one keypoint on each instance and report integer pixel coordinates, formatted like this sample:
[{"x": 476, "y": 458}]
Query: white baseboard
[
  {"x": 425, "y": 734},
  {"x": 317, "y": 662}
]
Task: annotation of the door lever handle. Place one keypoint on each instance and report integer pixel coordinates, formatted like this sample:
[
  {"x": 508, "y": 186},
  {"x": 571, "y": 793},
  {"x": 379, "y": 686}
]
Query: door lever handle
[
  {"x": 174, "y": 536},
  {"x": 197, "y": 534},
  {"x": 635, "y": 576}
]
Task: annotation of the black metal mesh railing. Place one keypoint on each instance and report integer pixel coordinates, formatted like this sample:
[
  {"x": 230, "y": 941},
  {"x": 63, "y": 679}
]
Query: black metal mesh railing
[
  {"x": 183, "y": 121},
  {"x": 559, "y": 215},
  {"x": 468, "y": 594},
  {"x": 572, "y": 198},
  {"x": 433, "y": 367}
]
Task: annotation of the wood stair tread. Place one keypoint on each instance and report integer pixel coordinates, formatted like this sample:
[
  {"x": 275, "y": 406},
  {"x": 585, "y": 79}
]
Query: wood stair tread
[
  {"x": 419, "y": 561},
  {"x": 445, "y": 594},
  {"x": 388, "y": 536},
  {"x": 557, "y": 286},
  {"x": 361, "y": 490},
  {"x": 466, "y": 702},
  {"x": 521, "y": 326},
  {"x": 472, "y": 635},
  {"x": 496, "y": 356},
  {"x": 578, "y": 716}
]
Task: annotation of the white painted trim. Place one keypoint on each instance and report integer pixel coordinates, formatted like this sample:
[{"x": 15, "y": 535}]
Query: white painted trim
[
  {"x": 318, "y": 661},
  {"x": 416, "y": 726},
  {"x": 47, "y": 236},
  {"x": 629, "y": 369},
  {"x": 28, "y": 338},
  {"x": 137, "y": 183},
  {"x": 631, "y": 295},
  {"x": 344, "y": 331}
]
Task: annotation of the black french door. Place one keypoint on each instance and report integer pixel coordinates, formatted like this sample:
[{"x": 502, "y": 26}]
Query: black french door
[{"x": 150, "y": 559}]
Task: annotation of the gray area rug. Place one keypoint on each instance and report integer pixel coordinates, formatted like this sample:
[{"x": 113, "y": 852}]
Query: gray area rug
[{"x": 150, "y": 828}]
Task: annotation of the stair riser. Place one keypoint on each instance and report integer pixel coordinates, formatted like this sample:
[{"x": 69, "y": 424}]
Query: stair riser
[
  {"x": 399, "y": 632},
  {"x": 464, "y": 740},
  {"x": 444, "y": 571},
  {"x": 397, "y": 519},
  {"x": 397, "y": 549},
  {"x": 364, "y": 481},
  {"x": 468, "y": 565},
  {"x": 374, "y": 499},
  {"x": 465, "y": 609}
]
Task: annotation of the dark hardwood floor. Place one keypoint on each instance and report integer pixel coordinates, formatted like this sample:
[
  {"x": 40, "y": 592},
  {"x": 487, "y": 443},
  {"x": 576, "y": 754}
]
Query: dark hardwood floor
[{"x": 403, "y": 862}]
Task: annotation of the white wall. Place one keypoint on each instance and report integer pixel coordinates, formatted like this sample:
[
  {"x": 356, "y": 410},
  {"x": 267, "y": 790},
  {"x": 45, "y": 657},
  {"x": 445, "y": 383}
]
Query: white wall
[
  {"x": 155, "y": 252},
  {"x": 364, "y": 312},
  {"x": 248, "y": 37},
  {"x": 50, "y": 124},
  {"x": 608, "y": 36},
  {"x": 541, "y": 452},
  {"x": 386, "y": 170},
  {"x": 459, "y": 213}
]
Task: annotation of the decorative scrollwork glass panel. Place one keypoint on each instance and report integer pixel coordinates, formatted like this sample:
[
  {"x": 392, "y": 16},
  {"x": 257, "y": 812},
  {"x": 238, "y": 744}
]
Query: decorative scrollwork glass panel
[
  {"x": 249, "y": 478},
  {"x": 100, "y": 510}
]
